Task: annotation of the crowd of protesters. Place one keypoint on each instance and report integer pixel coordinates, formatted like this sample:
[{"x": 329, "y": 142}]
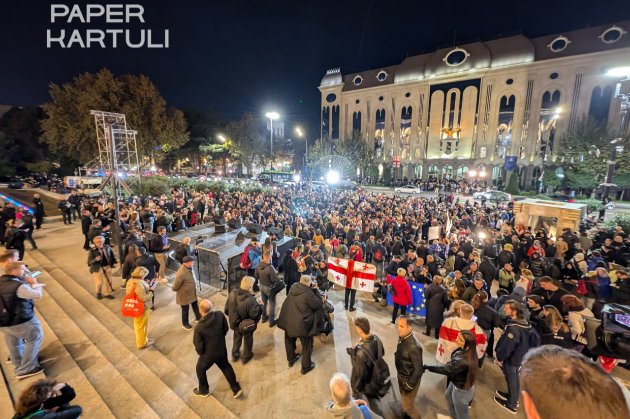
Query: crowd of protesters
[{"x": 492, "y": 288}]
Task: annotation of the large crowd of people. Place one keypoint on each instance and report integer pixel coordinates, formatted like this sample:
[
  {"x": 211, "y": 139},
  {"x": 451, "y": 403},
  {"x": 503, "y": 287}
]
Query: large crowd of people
[{"x": 493, "y": 289}]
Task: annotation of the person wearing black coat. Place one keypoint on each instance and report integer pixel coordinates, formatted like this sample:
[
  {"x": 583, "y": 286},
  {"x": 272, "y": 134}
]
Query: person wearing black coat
[
  {"x": 297, "y": 319},
  {"x": 436, "y": 301},
  {"x": 242, "y": 305},
  {"x": 290, "y": 269},
  {"x": 487, "y": 269},
  {"x": 38, "y": 207},
  {"x": 209, "y": 341},
  {"x": 86, "y": 223},
  {"x": 487, "y": 319},
  {"x": 53, "y": 401}
]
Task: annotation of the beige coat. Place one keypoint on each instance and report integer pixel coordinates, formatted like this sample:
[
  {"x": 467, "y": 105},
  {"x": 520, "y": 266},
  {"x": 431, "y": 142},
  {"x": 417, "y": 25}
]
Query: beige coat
[
  {"x": 142, "y": 290},
  {"x": 184, "y": 285},
  {"x": 561, "y": 249}
]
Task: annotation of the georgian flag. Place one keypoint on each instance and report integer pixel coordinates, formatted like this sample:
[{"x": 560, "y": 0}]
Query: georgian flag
[
  {"x": 350, "y": 274},
  {"x": 448, "y": 334}
]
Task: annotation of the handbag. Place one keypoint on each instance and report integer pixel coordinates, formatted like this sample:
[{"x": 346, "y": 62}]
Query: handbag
[
  {"x": 247, "y": 326},
  {"x": 132, "y": 306},
  {"x": 391, "y": 289}
]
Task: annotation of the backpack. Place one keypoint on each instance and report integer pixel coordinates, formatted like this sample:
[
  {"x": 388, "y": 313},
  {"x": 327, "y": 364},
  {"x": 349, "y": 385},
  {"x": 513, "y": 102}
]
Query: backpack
[
  {"x": 380, "y": 381},
  {"x": 378, "y": 255},
  {"x": 245, "y": 263}
]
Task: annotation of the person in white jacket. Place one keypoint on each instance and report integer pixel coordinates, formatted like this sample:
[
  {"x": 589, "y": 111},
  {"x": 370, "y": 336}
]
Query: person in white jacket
[{"x": 576, "y": 312}]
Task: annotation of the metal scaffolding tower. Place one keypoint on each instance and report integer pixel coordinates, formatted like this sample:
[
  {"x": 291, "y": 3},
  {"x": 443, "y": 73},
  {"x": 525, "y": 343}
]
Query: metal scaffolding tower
[{"x": 118, "y": 152}]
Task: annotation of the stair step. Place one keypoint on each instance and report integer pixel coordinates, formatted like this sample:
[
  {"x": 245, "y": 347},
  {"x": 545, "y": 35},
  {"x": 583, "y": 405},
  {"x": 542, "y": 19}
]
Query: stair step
[
  {"x": 170, "y": 374},
  {"x": 115, "y": 372},
  {"x": 61, "y": 367},
  {"x": 112, "y": 387}
]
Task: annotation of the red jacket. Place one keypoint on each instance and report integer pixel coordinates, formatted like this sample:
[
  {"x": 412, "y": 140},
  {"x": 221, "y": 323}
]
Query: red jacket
[{"x": 403, "y": 291}]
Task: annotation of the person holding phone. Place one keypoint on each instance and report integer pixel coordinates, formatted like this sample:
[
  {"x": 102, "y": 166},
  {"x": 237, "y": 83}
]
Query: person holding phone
[{"x": 18, "y": 323}]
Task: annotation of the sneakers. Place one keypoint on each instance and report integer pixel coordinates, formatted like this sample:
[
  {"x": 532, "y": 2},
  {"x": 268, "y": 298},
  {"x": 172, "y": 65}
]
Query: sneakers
[
  {"x": 99, "y": 296},
  {"x": 111, "y": 297},
  {"x": 503, "y": 404},
  {"x": 352, "y": 309},
  {"x": 146, "y": 345},
  {"x": 187, "y": 327},
  {"x": 34, "y": 371},
  {"x": 198, "y": 393},
  {"x": 238, "y": 394}
]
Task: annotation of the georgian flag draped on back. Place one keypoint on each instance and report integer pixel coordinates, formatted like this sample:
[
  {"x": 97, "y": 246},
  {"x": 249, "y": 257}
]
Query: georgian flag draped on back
[
  {"x": 350, "y": 274},
  {"x": 448, "y": 334}
]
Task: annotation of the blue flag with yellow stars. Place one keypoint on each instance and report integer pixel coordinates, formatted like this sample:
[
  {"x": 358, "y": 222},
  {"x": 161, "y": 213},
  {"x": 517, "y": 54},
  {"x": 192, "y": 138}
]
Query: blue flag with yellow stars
[{"x": 417, "y": 296}]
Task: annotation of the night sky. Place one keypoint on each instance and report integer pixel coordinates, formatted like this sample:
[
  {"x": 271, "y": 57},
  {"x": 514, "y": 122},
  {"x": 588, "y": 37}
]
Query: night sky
[{"x": 237, "y": 56}]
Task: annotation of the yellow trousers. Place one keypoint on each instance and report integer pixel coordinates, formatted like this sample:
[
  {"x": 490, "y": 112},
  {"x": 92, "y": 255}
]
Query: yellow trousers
[{"x": 141, "y": 328}]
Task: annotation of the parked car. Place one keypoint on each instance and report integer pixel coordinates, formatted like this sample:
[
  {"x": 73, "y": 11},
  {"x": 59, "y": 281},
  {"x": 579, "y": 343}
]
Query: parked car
[
  {"x": 412, "y": 189},
  {"x": 493, "y": 196},
  {"x": 343, "y": 184},
  {"x": 16, "y": 183}
]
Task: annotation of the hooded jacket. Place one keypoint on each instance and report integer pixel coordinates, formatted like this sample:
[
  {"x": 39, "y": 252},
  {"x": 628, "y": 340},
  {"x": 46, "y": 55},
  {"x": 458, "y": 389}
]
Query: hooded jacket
[
  {"x": 266, "y": 274},
  {"x": 241, "y": 305},
  {"x": 518, "y": 338},
  {"x": 209, "y": 336}
]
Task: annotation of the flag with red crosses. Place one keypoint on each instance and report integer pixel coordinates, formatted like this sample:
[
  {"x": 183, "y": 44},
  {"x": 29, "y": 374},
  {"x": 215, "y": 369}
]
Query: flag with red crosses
[{"x": 351, "y": 274}]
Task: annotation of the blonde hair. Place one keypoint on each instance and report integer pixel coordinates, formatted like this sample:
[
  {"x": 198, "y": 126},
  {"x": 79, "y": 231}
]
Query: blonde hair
[
  {"x": 140, "y": 272},
  {"x": 247, "y": 283},
  {"x": 401, "y": 272}
]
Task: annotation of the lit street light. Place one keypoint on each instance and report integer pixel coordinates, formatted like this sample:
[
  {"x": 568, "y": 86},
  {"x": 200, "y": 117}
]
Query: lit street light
[
  {"x": 272, "y": 116},
  {"x": 221, "y": 138},
  {"x": 300, "y": 134}
]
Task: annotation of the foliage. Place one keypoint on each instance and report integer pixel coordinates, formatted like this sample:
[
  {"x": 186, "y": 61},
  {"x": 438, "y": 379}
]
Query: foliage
[
  {"x": 577, "y": 179},
  {"x": 19, "y": 139},
  {"x": 247, "y": 141},
  {"x": 149, "y": 185},
  {"x": 592, "y": 205},
  {"x": 69, "y": 127},
  {"x": 550, "y": 179},
  {"x": 513, "y": 184},
  {"x": 42, "y": 166},
  {"x": 355, "y": 149},
  {"x": 620, "y": 219}
]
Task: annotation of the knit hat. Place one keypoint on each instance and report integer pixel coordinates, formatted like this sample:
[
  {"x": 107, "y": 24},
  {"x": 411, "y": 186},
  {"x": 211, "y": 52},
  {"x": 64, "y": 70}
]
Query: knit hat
[
  {"x": 579, "y": 257},
  {"x": 508, "y": 247}
]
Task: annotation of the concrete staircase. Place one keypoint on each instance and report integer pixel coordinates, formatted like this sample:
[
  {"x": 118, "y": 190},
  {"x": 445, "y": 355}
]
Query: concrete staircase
[{"x": 122, "y": 381}]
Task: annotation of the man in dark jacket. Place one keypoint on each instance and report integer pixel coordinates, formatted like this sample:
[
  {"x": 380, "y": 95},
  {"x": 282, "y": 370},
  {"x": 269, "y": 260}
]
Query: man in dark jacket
[
  {"x": 408, "y": 358},
  {"x": 297, "y": 319},
  {"x": 519, "y": 336},
  {"x": 75, "y": 204},
  {"x": 487, "y": 269},
  {"x": 159, "y": 245},
  {"x": 38, "y": 207},
  {"x": 146, "y": 260},
  {"x": 64, "y": 208},
  {"x": 477, "y": 285},
  {"x": 18, "y": 323},
  {"x": 242, "y": 305},
  {"x": 86, "y": 223},
  {"x": 369, "y": 349},
  {"x": 209, "y": 340},
  {"x": 101, "y": 260},
  {"x": 270, "y": 285}
]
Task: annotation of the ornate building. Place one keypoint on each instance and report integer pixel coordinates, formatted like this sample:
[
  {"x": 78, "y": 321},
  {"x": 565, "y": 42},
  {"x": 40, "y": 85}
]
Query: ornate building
[{"x": 478, "y": 105}]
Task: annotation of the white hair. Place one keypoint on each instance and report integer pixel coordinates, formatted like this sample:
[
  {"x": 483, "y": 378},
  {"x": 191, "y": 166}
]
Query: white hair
[{"x": 340, "y": 389}]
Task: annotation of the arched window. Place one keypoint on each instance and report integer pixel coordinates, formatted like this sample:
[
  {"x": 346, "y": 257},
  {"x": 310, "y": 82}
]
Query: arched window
[
  {"x": 405, "y": 128},
  {"x": 379, "y": 132},
  {"x": 356, "y": 122},
  {"x": 432, "y": 173},
  {"x": 600, "y": 103},
  {"x": 447, "y": 172},
  {"x": 419, "y": 171},
  {"x": 550, "y": 111},
  {"x": 325, "y": 122},
  {"x": 461, "y": 173},
  {"x": 335, "y": 122},
  {"x": 504, "y": 125}
]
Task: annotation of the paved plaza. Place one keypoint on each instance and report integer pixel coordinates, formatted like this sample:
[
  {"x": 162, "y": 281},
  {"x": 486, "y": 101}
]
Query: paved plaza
[{"x": 271, "y": 389}]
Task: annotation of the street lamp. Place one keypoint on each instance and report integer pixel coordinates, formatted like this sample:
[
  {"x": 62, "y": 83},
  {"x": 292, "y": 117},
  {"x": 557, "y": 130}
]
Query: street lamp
[
  {"x": 300, "y": 134},
  {"x": 272, "y": 116},
  {"x": 221, "y": 138}
]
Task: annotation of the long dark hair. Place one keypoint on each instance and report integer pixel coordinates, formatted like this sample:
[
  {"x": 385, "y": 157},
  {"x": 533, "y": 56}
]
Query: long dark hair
[
  {"x": 33, "y": 397},
  {"x": 470, "y": 354}
]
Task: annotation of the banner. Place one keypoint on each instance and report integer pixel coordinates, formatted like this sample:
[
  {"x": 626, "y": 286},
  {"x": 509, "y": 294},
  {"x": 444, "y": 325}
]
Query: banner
[
  {"x": 417, "y": 298},
  {"x": 350, "y": 274},
  {"x": 510, "y": 163},
  {"x": 434, "y": 233}
]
